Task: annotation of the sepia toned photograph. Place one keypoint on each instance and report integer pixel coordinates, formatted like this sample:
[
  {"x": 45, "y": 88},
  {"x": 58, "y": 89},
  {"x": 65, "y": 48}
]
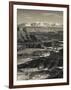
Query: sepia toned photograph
[{"x": 38, "y": 44}]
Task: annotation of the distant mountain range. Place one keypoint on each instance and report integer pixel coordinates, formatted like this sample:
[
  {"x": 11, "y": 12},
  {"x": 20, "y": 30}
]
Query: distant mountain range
[
  {"x": 24, "y": 35},
  {"x": 42, "y": 24}
]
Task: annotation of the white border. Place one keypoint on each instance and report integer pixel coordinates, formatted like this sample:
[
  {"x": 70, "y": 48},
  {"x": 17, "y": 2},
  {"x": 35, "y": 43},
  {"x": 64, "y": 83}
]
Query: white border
[{"x": 26, "y": 82}]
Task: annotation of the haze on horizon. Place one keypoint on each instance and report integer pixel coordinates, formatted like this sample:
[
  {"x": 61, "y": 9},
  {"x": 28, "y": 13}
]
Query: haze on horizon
[{"x": 32, "y": 16}]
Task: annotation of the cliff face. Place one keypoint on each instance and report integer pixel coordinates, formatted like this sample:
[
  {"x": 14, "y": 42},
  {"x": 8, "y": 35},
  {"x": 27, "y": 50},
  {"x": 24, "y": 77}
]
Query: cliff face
[
  {"x": 34, "y": 33},
  {"x": 39, "y": 54},
  {"x": 37, "y": 39}
]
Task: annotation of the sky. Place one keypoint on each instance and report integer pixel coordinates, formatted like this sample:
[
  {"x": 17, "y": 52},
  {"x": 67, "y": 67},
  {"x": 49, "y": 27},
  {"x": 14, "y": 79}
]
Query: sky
[{"x": 32, "y": 16}]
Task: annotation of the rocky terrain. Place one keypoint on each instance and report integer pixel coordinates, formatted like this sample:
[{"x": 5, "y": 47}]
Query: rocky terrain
[{"x": 39, "y": 55}]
